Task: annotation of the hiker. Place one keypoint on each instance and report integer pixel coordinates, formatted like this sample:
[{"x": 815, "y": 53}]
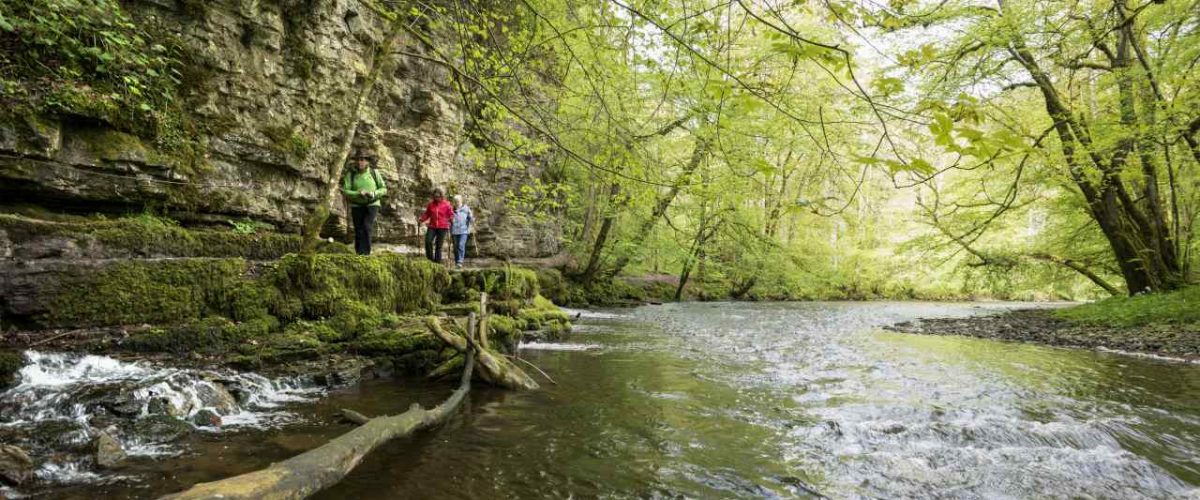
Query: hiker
[
  {"x": 363, "y": 187},
  {"x": 437, "y": 219},
  {"x": 460, "y": 229}
]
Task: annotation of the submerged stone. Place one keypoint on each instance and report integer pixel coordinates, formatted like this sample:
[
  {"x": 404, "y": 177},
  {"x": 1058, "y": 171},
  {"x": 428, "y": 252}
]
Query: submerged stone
[
  {"x": 15, "y": 465},
  {"x": 108, "y": 450}
]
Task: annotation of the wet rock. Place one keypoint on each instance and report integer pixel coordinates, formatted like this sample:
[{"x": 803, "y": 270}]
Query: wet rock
[
  {"x": 158, "y": 429},
  {"x": 217, "y": 397},
  {"x": 164, "y": 406},
  {"x": 108, "y": 450},
  {"x": 15, "y": 465},
  {"x": 11, "y": 362},
  {"x": 343, "y": 372},
  {"x": 206, "y": 418}
]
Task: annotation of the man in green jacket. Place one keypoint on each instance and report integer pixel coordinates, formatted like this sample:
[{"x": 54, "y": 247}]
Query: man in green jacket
[{"x": 363, "y": 187}]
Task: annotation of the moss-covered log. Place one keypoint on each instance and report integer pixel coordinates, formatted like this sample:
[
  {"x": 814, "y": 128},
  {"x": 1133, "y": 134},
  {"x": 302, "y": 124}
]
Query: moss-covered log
[
  {"x": 493, "y": 368},
  {"x": 314, "y": 470}
]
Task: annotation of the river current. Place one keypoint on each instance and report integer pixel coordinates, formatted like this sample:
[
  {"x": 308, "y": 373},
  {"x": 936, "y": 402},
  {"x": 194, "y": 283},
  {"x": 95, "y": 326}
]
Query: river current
[{"x": 760, "y": 400}]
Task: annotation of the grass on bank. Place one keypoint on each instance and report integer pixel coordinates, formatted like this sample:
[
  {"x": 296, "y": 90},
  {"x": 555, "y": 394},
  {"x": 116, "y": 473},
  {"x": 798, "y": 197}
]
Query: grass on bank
[{"x": 1178, "y": 307}]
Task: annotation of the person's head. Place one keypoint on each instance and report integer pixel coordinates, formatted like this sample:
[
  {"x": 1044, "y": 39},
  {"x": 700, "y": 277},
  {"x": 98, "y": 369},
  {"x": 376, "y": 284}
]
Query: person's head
[
  {"x": 363, "y": 160},
  {"x": 438, "y": 194},
  {"x": 458, "y": 200}
]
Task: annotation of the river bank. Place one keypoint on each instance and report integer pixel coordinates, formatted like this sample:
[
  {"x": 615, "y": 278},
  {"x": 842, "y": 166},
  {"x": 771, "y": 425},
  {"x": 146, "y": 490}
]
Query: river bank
[
  {"x": 782, "y": 400},
  {"x": 1166, "y": 325}
]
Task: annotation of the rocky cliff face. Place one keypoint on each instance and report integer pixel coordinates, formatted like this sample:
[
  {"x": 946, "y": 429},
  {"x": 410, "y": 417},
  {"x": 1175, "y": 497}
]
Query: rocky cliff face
[{"x": 273, "y": 82}]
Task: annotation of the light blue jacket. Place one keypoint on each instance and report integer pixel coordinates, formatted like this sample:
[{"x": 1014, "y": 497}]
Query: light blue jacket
[{"x": 462, "y": 220}]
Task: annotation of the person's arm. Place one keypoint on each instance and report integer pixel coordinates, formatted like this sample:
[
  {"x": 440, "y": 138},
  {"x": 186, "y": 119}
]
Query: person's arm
[
  {"x": 425, "y": 215},
  {"x": 380, "y": 188},
  {"x": 348, "y": 187},
  {"x": 470, "y": 219}
]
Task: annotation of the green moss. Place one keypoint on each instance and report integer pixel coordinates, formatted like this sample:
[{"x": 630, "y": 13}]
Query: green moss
[
  {"x": 11, "y": 362},
  {"x": 615, "y": 292},
  {"x": 506, "y": 307},
  {"x": 303, "y": 334},
  {"x": 460, "y": 309},
  {"x": 212, "y": 335},
  {"x": 1178, "y": 307},
  {"x": 135, "y": 292},
  {"x": 354, "y": 319},
  {"x": 553, "y": 286},
  {"x": 505, "y": 331},
  {"x": 544, "y": 314},
  {"x": 410, "y": 338},
  {"x": 322, "y": 285},
  {"x": 287, "y": 141},
  {"x": 505, "y": 283},
  {"x": 150, "y": 236}
]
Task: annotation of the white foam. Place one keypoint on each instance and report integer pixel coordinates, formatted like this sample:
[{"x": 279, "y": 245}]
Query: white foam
[
  {"x": 51, "y": 370},
  {"x": 1148, "y": 355},
  {"x": 69, "y": 472},
  {"x": 550, "y": 346},
  {"x": 584, "y": 313}
]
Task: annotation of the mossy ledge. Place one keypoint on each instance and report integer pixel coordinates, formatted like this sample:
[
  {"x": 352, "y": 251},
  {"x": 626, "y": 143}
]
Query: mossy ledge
[
  {"x": 141, "y": 236},
  {"x": 259, "y": 315}
]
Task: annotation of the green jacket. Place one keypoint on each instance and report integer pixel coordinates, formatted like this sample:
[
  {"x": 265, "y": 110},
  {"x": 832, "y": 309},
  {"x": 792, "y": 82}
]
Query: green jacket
[{"x": 368, "y": 181}]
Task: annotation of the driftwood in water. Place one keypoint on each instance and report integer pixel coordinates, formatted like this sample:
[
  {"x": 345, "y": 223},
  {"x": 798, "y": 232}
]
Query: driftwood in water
[
  {"x": 493, "y": 368},
  {"x": 355, "y": 417},
  {"x": 314, "y": 470}
]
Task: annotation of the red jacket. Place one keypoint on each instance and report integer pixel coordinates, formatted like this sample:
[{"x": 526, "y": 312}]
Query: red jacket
[{"x": 439, "y": 214}]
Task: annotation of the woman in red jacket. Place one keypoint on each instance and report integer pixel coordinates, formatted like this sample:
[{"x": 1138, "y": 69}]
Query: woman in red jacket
[{"x": 437, "y": 217}]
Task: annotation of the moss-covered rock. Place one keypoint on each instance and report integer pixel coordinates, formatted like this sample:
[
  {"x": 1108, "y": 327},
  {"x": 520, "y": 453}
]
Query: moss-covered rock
[
  {"x": 544, "y": 315},
  {"x": 553, "y": 285},
  {"x": 135, "y": 292},
  {"x": 322, "y": 286},
  {"x": 505, "y": 332},
  {"x": 142, "y": 236},
  {"x": 10, "y": 363},
  {"x": 208, "y": 336},
  {"x": 504, "y": 283}
]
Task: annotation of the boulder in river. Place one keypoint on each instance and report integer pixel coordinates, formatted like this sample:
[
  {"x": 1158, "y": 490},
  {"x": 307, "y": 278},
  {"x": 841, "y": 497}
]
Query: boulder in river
[
  {"x": 158, "y": 429},
  {"x": 15, "y": 465},
  {"x": 108, "y": 450},
  {"x": 216, "y": 396},
  {"x": 206, "y": 418}
]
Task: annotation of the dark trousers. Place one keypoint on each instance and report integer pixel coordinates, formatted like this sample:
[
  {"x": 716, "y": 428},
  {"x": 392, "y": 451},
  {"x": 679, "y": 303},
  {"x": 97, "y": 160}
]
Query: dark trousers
[
  {"x": 435, "y": 239},
  {"x": 364, "y": 223}
]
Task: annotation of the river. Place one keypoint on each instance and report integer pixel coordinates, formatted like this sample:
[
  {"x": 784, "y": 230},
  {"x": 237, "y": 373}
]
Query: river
[{"x": 754, "y": 400}]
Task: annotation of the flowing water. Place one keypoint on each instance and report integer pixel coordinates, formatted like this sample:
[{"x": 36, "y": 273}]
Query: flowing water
[{"x": 743, "y": 400}]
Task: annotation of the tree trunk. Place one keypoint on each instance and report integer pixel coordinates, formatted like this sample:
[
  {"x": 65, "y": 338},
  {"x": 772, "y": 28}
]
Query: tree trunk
[
  {"x": 593, "y": 265},
  {"x": 317, "y": 469},
  {"x": 1131, "y": 232},
  {"x": 316, "y": 220},
  {"x": 663, "y": 203}
]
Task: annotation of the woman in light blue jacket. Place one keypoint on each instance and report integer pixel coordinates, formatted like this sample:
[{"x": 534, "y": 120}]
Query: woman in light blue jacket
[{"x": 460, "y": 229}]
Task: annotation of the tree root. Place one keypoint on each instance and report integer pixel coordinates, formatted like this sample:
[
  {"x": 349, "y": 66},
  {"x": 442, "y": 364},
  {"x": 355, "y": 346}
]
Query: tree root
[{"x": 493, "y": 368}]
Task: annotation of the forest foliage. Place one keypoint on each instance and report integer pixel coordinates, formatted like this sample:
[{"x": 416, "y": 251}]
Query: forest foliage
[
  {"x": 1018, "y": 148},
  {"x": 834, "y": 149}
]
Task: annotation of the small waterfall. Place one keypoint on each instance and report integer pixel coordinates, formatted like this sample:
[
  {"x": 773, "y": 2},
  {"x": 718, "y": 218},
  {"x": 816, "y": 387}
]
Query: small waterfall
[{"x": 63, "y": 402}]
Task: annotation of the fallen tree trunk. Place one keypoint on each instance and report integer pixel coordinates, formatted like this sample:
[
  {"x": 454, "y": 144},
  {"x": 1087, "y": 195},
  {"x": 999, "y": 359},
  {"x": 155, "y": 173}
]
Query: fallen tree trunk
[
  {"x": 493, "y": 369},
  {"x": 314, "y": 470}
]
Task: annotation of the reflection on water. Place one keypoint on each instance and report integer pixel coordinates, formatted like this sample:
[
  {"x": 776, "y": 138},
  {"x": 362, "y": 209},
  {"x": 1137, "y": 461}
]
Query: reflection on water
[{"x": 785, "y": 400}]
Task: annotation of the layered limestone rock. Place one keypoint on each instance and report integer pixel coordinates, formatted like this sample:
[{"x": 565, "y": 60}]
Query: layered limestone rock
[{"x": 271, "y": 83}]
